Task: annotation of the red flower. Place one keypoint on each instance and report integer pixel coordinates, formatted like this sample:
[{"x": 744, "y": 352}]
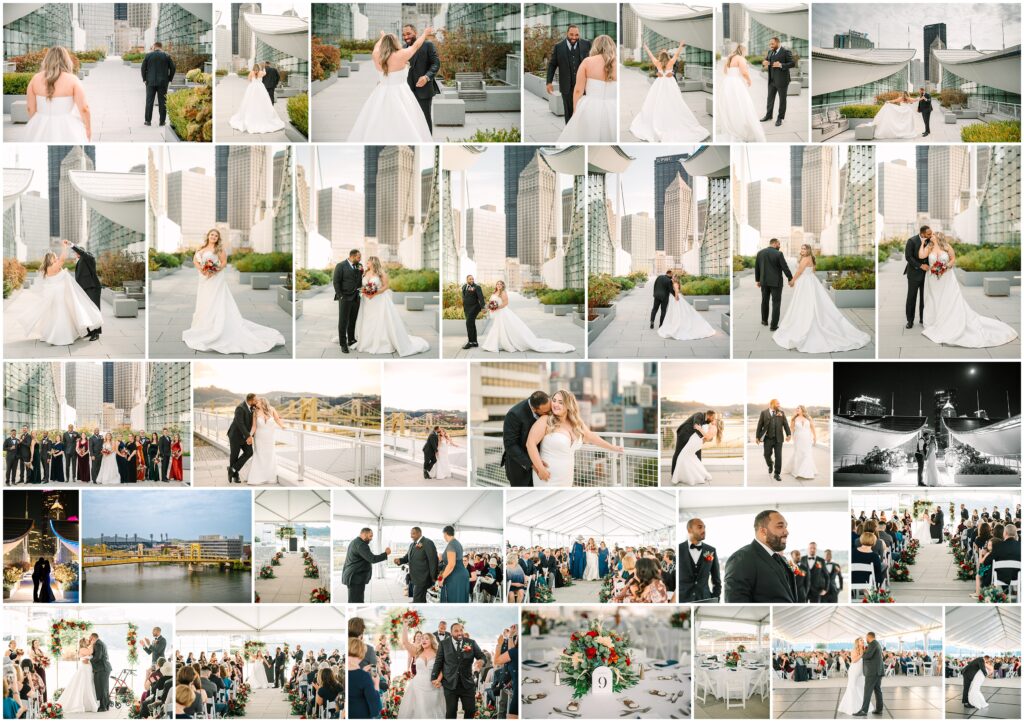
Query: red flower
[
  {"x": 627, "y": 661},
  {"x": 709, "y": 557},
  {"x": 591, "y": 633},
  {"x": 591, "y": 652}
]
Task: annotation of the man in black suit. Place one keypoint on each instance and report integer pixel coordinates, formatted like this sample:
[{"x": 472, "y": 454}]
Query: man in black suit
[
  {"x": 817, "y": 578},
  {"x": 700, "y": 580},
  {"x": 874, "y": 670},
  {"x": 89, "y": 280},
  {"x": 835, "y": 579},
  {"x": 359, "y": 561},
  {"x": 565, "y": 58},
  {"x": 919, "y": 453},
  {"x": 442, "y": 632},
  {"x": 964, "y": 514},
  {"x": 95, "y": 453},
  {"x": 662, "y": 292},
  {"x": 979, "y": 665},
  {"x": 25, "y": 456},
  {"x": 69, "y": 438},
  {"x": 1008, "y": 550},
  {"x": 455, "y": 658},
  {"x": 157, "y": 72},
  {"x": 514, "y": 432},
  {"x": 240, "y": 438},
  {"x": 430, "y": 452},
  {"x": 100, "y": 664},
  {"x": 155, "y": 648},
  {"x": 757, "y": 572},
  {"x": 423, "y": 68},
  {"x": 347, "y": 280},
  {"x": 769, "y": 267},
  {"x": 772, "y": 431},
  {"x": 164, "y": 449},
  {"x": 778, "y": 62},
  {"x": 938, "y": 522},
  {"x": 924, "y": 107},
  {"x": 45, "y": 447},
  {"x": 916, "y": 271},
  {"x": 279, "y": 662},
  {"x": 472, "y": 305},
  {"x": 40, "y": 579},
  {"x": 271, "y": 79},
  {"x": 687, "y": 429},
  {"x": 422, "y": 560},
  {"x": 11, "y": 445}
]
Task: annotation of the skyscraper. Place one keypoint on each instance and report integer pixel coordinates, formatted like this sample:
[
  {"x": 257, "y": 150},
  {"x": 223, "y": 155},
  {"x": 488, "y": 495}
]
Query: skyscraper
[
  {"x": 517, "y": 157},
  {"x": 381, "y": 17},
  {"x": 949, "y": 175},
  {"x": 340, "y": 218},
  {"x": 999, "y": 192},
  {"x": 29, "y": 220},
  {"x": 396, "y": 214},
  {"x": 575, "y": 246},
  {"x": 220, "y": 172},
  {"x": 934, "y": 39},
  {"x": 715, "y": 249},
  {"x": 47, "y": 25},
  {"x": 247, "y": 187},
  {"x": 485, "y": 242},
  {"x": 97, "y": 20},
  {"x": 666, "y": 169},
  {"x": 191, "y": 202},
  {"x": 857, "y": 220},
  {"x": 817, "y": 194},
  {"x": 33, "y": 392},
  {"x": 944, "y": 405},
  {"x": 897, "y": 198},
  {"x": 768, "y": 210},
  {"x": 921, "y": 166},
  {"x": 73, "y": 224},
  {"x": 168, "y": 398},
  {"x": 638, "y": 240},
  {"x": 108, "y": 380},
  {"x": 852, "y": 39},
  {"x": 241, "y": 33},
  {"x": 83, "y": 386},
  {"x": 677, "y": 212},
  {"x": 796, "y": 169},
  {"x": 371, "y": 155},
  {"x": 537, "y": 233},
  {"x": 127, "y": 386},
  {"x": 57, "y": 180}
]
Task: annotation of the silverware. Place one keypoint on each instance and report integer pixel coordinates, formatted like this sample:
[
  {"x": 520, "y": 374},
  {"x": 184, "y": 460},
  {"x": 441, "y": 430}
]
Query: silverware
[{"x": 567, "y": 714}]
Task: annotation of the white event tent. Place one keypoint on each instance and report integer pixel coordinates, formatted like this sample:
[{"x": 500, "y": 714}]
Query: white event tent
[
  {"x": 984, "y": 629},
  {"x": 293, "y": 506},
  {"x": 819, "y": 624}
]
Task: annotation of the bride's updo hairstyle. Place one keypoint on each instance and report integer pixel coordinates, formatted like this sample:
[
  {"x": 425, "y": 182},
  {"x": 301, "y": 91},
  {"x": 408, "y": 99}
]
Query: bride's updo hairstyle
[
  {"x": 572, "y": 413},
  {"x": 388, "y": 45},
  {"x": 605, "y": 47},
  {"x": 56, "y": 61},
  {"x": 217, "y": 246},
  {"x": 810, "y": 254}
]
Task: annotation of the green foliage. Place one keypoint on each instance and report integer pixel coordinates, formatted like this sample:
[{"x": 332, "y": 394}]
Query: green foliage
[
  {"x": 163, "y": 260},
  {"x": 755, "y": 60},
  {"x": 358, "y": 47},
  {"x": 190, "y": 112},
  {"x": 314, "y": 277},
  {"x": 220, "y": 72},
  {"x": 91, "y": 56},
  {"x": 601, "y": 291},
  {"x": 624, "y": 283},
  {"x": 844, "y": 263},
  {"x": 859, "y": 111},
  {"x": 537, "y": 45},
  {"x": 704, "y": 286},
  {"x": 133, "y": 57},
  {"x": 14, "y": 275},
  {"x": 985, "y": 469},
  {"x": 494, "y": 135},
  {"x": 741, "y": 263},
  {"x": 639, "y": 277},
  {"x": 999, "y": 131},
  {"x": 884, "y": 460},
  {"x": 114, "y": 269},
  {"x": 242, "y": 72},
  {"x": 952, "y": 96},
  {"x": 326, "y": 60},
  {"x": 30, "y": 62},
  {"x": 860, "y": 281},
  {"x": 17, "y": 83},
  {"x": 262, "y": 262},
  {"x": 196, "y": 75},
  {"x": 563, "y": 297},
  {"x": 406, "y": 280},
  {"x": 451, "y": 300},
  {"x": 298, "y": 112},
  {"x": 889, "y": 248},
  {"x": 989, "y": 258},
  {"x": 464, "y": 50}
]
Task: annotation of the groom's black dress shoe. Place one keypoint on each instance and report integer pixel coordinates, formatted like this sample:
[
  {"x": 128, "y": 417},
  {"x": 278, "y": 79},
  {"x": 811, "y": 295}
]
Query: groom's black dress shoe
[
  {"x": 351, "y": 342},
  {"x": 969, "y": 706},
  {"x": 766, "y": 118},
  {"x": 467, "y": 346},
  {"x": 910, "y": 324},
  {"x": 878, "y": 712},
  {"x": 777, "y": 477},
  {"x": 773, "y": 328},
  {"x": 778, "y": 122},
  {"x": 861, "y": 714},
  {"x": 147, "y": 123},
  {"x": 344, "y": 349}
]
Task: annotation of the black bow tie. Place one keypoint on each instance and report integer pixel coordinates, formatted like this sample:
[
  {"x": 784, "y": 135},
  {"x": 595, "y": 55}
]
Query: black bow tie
[{"x": 696, "y": 546}]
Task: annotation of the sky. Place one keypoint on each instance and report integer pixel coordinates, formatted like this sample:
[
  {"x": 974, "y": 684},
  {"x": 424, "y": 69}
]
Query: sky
[
  {"x": 109, "y": 157},
  {"x": 638, "y": 180},
  {"x": 185, "y": 516},
  {"x": 717, "y": 383},
  {"x": 274, "y": 7},
  {"x": 792, "y": 383},
  {"x": 772, "y": 161},
  {"x": 984, "y": 22},
  {"x": 437, "y": 385},
  {"x": 324, "y": 377},
  {"x": 885, "y": 152},
  {"x": 487, "y": 181},
  {"x": 341, "y": 164}
]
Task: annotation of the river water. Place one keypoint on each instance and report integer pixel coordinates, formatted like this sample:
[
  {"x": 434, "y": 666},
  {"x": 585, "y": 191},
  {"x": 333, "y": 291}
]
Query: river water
[{"x": 134, "y": 583}]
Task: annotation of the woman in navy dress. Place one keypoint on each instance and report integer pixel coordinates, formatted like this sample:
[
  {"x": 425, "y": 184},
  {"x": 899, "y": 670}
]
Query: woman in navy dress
[
  {"x": 455, "y": 576},
  {"x": 602, "y": 560},
  {"x": 57, "y": 460}
]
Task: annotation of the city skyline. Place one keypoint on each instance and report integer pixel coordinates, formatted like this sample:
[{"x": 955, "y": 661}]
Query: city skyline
[
  {"x": 254, "y": 375},
  {"x": 487, "y": 180},
  {"x": 637, "y": 181},
  {"x": 404, "y": 389},
  {"x": 180, "y": 516}
]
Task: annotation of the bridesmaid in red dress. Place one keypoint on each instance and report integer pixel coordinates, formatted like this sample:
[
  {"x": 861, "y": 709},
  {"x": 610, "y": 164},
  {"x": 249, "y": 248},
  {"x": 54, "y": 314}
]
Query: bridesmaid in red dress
[
  {"x": 82, "y": 452},
  {"x": 176, "y": 474},
  {"x": 140, "y": 460}
]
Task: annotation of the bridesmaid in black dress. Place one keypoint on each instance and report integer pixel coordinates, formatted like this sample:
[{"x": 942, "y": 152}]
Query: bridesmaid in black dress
[
  {"x": 36, "y": 474},
  {"x": 82, "y": 461},
  {"x": 57, "y": 460}
]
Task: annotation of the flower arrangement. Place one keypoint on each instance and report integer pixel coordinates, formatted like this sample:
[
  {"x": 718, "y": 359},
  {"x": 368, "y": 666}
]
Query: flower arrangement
[
  {"x": 124, "y": 695},
  {"x": 267, "y": 572},
  {"x": 492, "y": 306},
  {"x": 878, "y": 596},
  {"x": 909, "y": 555},
  {"x": 211, "y": 265},
  {"x": 276, "y": 559},
  {"x": 296, "y": 700},
  {"x": 965, "y": 571},
  {"x": 62, "y": 630},
  {"x": 393, "y": 697},
  {"x": 531, "y": 620},
  {"x": 311, "y": 570},
  {"x": 607, "y": 588},
  {"x": 732, "y": 659},
  {"x": 993, "y": 595},
  {"x": 369, "y": 288},
  {"x": 132, "y": 639},
  {"x": 396, "y": 618},
  {"x": 484, "y": 710},
  {"x": 592, "y": 648},
  {"x": 544, "y": 594},
  {"x": 320, "y": 595},
  {"x": 135, "y": 711},
  {"x": 899, "y": 572},
  {"x": 679, "y": 620},
  {"x": 251, "y": 647},
  {"x": 938, "y": 268},
  {"x": 51, "y": 710}
]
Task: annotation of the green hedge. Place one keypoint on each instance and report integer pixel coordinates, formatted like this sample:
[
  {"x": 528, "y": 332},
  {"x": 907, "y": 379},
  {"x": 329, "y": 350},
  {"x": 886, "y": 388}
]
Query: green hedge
[
  {"x": 190, "y": 112},
  {"x": 894, "y": 247},
  {"x": 494, "y": 135},
  {"x": 1000, "y": 131},
  {"x": 133, "y": 57},
  {"x": 862, "y": 281},
  {"x": 563, "y": 297},
  {"x": 263, "y": 262},
  {"x": 298, "y": 112},
  {"x": 165, "y": 260},
  {"x": 316, "y": 277},
  {"x": 704, "y": 286},
  {"x": 405, "y": 280},
  {"x": 990, "y": 258},
  {"x": 859, "y": 111},
  {"x": 17, "y": 83},
  {"x": 742, "y": 263},
  {"x": 845, "y": 263}
]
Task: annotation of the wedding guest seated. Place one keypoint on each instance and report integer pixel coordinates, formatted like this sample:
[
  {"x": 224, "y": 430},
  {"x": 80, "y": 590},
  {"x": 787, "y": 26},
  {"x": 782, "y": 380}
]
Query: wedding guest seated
[
  {"x": 645, "y": 587},
  {"x": 865, "y": 553},
  {"x": 13, "y": 709},
  {"x": 1007, "y": 550},
  {"x": 363, "y": 698},
  {"x": 210, "y": 691},
  {"x": 328, "y": 691},
  {"x": 184, "y": 701},
  {"x": 516, "y": 579},
  {"x": 188, "y": 676}
]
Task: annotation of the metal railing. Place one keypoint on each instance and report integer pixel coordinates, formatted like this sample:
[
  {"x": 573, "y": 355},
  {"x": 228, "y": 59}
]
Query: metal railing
[
  {"x": 311, "y": 451},
  {"x": 993, "y": 107},
  {"x": 594, "y": 467},
  {"x": 410, "y": 449}
]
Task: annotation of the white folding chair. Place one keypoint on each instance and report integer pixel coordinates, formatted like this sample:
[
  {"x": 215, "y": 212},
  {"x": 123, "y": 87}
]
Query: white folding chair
[
  {"x": 735, "y": 690},
  {"x": 857, "y": 589},
  {"x": 701, "y": 685},
  {"x": 1012, "y": 586}
]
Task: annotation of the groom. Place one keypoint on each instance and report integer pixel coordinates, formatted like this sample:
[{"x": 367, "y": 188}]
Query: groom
[
  {"x": 772, "y": 431},
  {"x": 874, "y": 669},
  {"x": 100, "y": 671},
  {"x": 40, "y": 579},
  {"x": 422, "y": 560},
  {"x": 472, "y": 305},
  {"x": 430, "y": 452},
  {"x": 980, "y": 665},
  {"x": 924, "y": 107},
  {"x": 919, "y": 453},
  {"x": 455, "y": 657},
  {"x": 347, "y": 280},
  {"x": 157, "y": 71},
  {"x": 423, "y": 67},
  {"x": 916, "y": 271},
  {"x": 240, "y": 438},
  {"x": 89, "y": 280},
  {"x": 937, "y": 524},
  {"x": 777, "y": 62},
  {"x": 271, "y": 80},
  {"x": 514, "y": 432},
  {"x": 566, "y": 57},
  {"x": 769, "y": 267},
  {"x": 758, "y": 573},
  {"x": 687, "y": 429},
  {"x": 662, "y": 292}
]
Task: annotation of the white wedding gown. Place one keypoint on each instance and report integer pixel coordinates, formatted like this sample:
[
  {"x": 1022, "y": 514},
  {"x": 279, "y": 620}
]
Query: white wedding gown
[
  {"x": 218, "y": 325},
  {"x": 257, "y": 675},
  {"x": 974, "y": 695},
  {"x": 379, "y": 327},
  {"x": 737, "y": 119},
  {"x": 803, "y": 451},
  {"x": 683, "y": 322},
  {"x": 689, "y": 469},
  {"x": 421, "y": 699},
  {"x": 853, "y": 697},
  {"x": 922, "y": 531},
  {"x": 263, "y": 464},
  {"x": 443, "y": 468},
  {"x": 109, "y": 473},
  {"x": 79, "y": 694},
  {"x": 811, "y": 323},
  {"x": 593, "y": 121},
  {"x": 391, "y": 114},
  {"x": 256, "y": 113},
  {"x": 898, "y": 121},
  {"x": 665, "y": 117},
  {"x": 56, "y": 121},
  {"x": 931, "y": 468},
  {"x": 949, "y": 319},
  {"x": 54, "y": 310},
  {"x": 591, "y": 572},
  {"x": 558, "y": 451},
  {"x": 508, "y": 332}
]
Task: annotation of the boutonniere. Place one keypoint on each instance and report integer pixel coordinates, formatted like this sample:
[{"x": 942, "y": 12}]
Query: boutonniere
[
  {"x": 467, "y": 648},
  {"x": 817, "y": 565},
  {"x": 419, "y": 545},
  {"x": 796, "y": 570},
  {"x": 709, "y": 557}
]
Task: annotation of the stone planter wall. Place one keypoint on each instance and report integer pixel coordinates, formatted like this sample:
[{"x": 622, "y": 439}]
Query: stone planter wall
[
  {"x": 431, "y": 297},
  {"x": 865, "y": 479},
  {"x": 284, "y": 299},
  {"x": 498, "y": 100},
  {"x": 976, "y": 278},
  {"x": 861, "y": 298},
  {"x": 317, "y": 85},
  {"x": 276, "y": 279},
  {"x": 595, "y": 327},
  {"x": 986, "y": 479},
  {"x": 536, "y": 85},
  {"x": 10, "y": 100},
  {"x": 712, "y": 300}
]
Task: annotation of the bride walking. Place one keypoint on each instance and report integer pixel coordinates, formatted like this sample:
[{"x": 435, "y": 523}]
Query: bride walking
[
  {"x": 392, "y": 113},
  {"x": 256, "y": 113},
  {"x": 262, "y": 467},
  {"x": 664, "y": 116},
  {"x": 805, "y": 436},
  {"x": 258, "y": 672},
  {"x": 590, "y": 571},
  {"x": 508, "y": 332},
  {"x": 690, "y": 470},
  {"x": 422, "y": 700},
  {"x": 379, "y": 328},
  {"x": 737, "y": 119},
  {"x": 853, "y": 697},
  {"x": 554, "y": 440},
  {"x": 443, "y": 468},
  {"x": 58, "y": 111},
  {"x": 898, "y": 119},
  {"x": 594, "y": 97},
  {"x": 811, "y": 322},
  {"x": 682, "y": 321},
  {"x": 217, "y": 324}
]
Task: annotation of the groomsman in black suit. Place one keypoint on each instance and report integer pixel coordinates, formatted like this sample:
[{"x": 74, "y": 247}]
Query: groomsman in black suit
[
  {"x": 835, "y": 579},
  {"x": 817, "y": 578},
  {"x": 472, "y": 305},
  {"x": 359, "y": 561},
  {"x": 25, "y": 455},
  {"x": 164, "y": 448},
  {"x": 758, "y": 573},
  {"x": 700, "y": 579},
  {"x": 95, "y": 453},
  {"x": 515, "y": 430},
  {"x": 45, "y": 447},
  {"x": 422, "y": 560},
  {"x": 347, "y": 280},
  {"x": 157, "y": 73},
  {"x": 69, "y": 438},
  {"x": 565, "y": 59},
  {"x": 778, "y": 63},
  {"x": 11, "y": 445}
]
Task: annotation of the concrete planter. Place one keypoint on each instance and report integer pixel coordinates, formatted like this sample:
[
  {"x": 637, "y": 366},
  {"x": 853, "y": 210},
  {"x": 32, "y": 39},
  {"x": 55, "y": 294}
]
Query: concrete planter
[
  {"x": 362, "y": 57},
  {"x": 284, "y": 299},
  {"x": 866, "y": 479},
  {"x": 596, "y": 326},
  {"x": 298, "y": 308},
  {"x": 161, "y": 272},
  {"x": 456, "y": 327},
  {"x": 855, "y": 122},
  {"x": 169, "y": 136},
  {"x": 498, "y": 100},
  {"x": 315, "y": 291},
  {"x": 317, "y": 85},
  {"x": 977, "y": 278},
  {"x": 275, "y": 279},
  {"x": 429, "y": 297},
  {"x": 10, "y": 100},
  {"x": 344, "y": 71},
  {"x": 986, "y": 479},
  {"x": 860, "y": 298},
  {"x": 536, "y": 85},
  {"x": 712, "y": 300},
  {"x": 727, "y": 323}
]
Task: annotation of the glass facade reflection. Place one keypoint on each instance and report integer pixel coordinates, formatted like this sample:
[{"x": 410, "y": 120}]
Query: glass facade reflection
[
  {"x": 856, "y": 224},
  {"x": 999, "y": 202},
  {"x": 179, "y": 29},
  {"x": 50, "y": 25},
  {"x": 31, "y": 395}
]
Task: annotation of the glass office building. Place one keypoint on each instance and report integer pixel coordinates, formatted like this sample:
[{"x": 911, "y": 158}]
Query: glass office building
[
  {"x": 284, "y": 206},
  {"x": 169, "y": 398},
  {"x": 501, "y": 21},
  {"x": 999, "y": 204},
  {"x": 51, "y": 24},
  {"x": 31, "y": 395},
  {"x": 601, "y": 246},
  {"x": 657, "y": 42},
  {"x": 857, "y": 221},
  {"x": 178, "y": 29},
  {"x": 952, "y": 81},
  {"x": 432, "y": 224},
  {"x": 575, "y": 265},
  {"x": 105, "y": 236},
  {"x": 714, "y": 246},
  {"x": 864, "y": 93},
  {"x": 332, "y": 22},
  {"x": 560, "y": 18},
  {"x": 760, "y": 34}
]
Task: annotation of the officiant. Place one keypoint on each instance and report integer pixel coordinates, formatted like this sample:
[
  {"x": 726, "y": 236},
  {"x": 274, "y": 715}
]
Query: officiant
[{"x": 937, "y": 524}]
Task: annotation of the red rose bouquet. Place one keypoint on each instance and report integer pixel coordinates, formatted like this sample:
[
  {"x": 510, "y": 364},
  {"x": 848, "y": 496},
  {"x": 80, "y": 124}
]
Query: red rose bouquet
[
  {"x": 593, "y": 648},
  {"x": 369, "y": 288},
  {"x": 492, "y": 305},
  {"x": 211, "y": 265},
  {"x": 938, "y": 268}
]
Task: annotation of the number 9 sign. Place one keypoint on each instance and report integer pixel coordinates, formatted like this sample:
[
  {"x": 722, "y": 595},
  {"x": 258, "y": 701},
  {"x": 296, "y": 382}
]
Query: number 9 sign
[{"x": 601, "y": 681}]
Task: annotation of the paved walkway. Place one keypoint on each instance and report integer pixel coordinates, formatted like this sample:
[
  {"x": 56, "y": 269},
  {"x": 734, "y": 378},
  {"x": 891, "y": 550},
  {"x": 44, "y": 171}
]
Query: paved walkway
[
  {"x": 540, "y": 125},
  {"x": 757, "y": 471},
  {"x": 401, "y": 473},
  {"x": 172, "y": 301},
  {"x": 316, "y": 329},
  {"x": 934, "y": 580},
  {"x": 387, "y": 590},
  {"x": 228, "y": 96},
  {"x": 1002, "y": 695},
  {"x": 633, "y": 91},
  {"x": 21, "y": 593},
  {"x": 724, "y": 472},
  {"x": 211, "y": 466},
  {"x": 903, "y": 698},
  {"x": 629, "y": 334},
  {"x": 941, "y": 131},
  {"x": 290, "y": 585},
  {"x": 122, "y": 338},
  {"x": 752, "y": 340},
  {"x": 544, "y": 325},
  {"x": 268, "y": 704},
  {"x": 796, "y": 127},
  {"x": 579, "y": 593},
  {"x": 895, "y": 340}
]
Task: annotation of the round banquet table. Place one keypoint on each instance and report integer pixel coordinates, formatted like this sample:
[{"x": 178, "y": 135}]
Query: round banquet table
[{"x": 718, "y": 676}]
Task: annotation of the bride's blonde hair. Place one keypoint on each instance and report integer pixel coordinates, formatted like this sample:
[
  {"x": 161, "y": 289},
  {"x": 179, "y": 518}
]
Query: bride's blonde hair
[
  {"x": 56, "y": 61},
  {"x": 264, "y": 405},
  {"x": 373, "y": 265},
  {"x": 48, "y": 260},
  {"x": 218, "y": 244},
  {"x": 389, "y": 45},
  {"x": 942, "y": 242},
  {"x": 738, "y": 50},
  {"x": 605, "y": 47},
  {"x": 501, "y": 283},
  {"x": 572, "y": 414}
]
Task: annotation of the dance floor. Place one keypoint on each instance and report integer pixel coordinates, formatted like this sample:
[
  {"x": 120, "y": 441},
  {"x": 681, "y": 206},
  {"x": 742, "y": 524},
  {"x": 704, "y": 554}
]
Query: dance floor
[
  {"x": 1002, "y": 695},
  {"x": 903, "y": 698}
]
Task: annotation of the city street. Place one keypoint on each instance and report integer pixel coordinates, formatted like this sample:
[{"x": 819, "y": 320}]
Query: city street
[
  {"x": 122, "y": 338},
  {"x": 632, "y": 92},
  {"x": 227, "y": 96},
  {"x": 895, "y": 340},
  {"x": 795, "y": 127},
  {"x": 172, "y": 303},
  {"x": 317, "y": 328}
]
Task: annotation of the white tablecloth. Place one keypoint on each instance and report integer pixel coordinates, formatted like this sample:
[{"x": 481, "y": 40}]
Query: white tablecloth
[{"x": 746, "y": 676}]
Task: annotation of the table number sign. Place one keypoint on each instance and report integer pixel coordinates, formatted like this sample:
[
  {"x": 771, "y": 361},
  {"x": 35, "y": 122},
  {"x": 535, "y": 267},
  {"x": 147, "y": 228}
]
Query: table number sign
[{"x": 601, "y": 681}]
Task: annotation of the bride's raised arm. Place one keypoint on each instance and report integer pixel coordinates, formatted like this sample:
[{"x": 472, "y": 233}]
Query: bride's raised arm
[
  {"x": 537, "y": 433},
  {"x": 654, "y": 60},
  {"x": 675, "y": 58},
  {"x": 405, "y": 54},
  {"x": 922, "y": 252},
  {"x": 409, "y": 647}
]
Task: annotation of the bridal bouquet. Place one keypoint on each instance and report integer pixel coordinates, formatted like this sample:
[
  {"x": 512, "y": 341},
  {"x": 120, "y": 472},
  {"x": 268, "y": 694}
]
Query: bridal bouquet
[
  {"x": 369, "y": 289},
  {"x": 211, "y": 265},
  {"x": 492, "y": 305},
  {"x": 596, "y": 647},
  {"x": 396, "y": 618},
  {"x": 938, "y": 268},
  {"x": 107, "y": 452}
]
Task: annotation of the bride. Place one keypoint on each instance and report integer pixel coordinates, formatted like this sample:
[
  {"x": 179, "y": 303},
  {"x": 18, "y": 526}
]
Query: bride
[
  {"x": 256, "y": 113},
  {"x": 974, "y": 696},
  {"x": 898, "y": 119},
  {"x": 682, "y": 321},
  {"x": 262, "y": 467},
  {"x": 55, "y": 99},
  {"x": 853, "y": 697},
  {"x": 80, "y": 694},
  {"x": 217, "y": 324},
  {"x": 811, "y": 322},
  {"x": 258, "y": 672},
  {"x": 508, "y": 332},
  {"x": 594, "y": 97},
  {"x": 422, "y": 700},
  {"x": 591, "y": 573},
  {"x": 664, "y": 116},
  {"x": 805, "y": 436},
  {"x": 948, "y": 318},
  {"x": 392, "y": 113},
  {"x": 690, "y": 470},
  {"x": 55, "y": 309},
  {"x": 109, "y": 473},
  {"x": 931, "y": 463},
  {"x": 379, "y": 328},
  {"x": 554, "y": 440},
  {"x": 443, "y": 468},
  {"x": 737, "y": 119},
  {"x": 922, "y": 528}
]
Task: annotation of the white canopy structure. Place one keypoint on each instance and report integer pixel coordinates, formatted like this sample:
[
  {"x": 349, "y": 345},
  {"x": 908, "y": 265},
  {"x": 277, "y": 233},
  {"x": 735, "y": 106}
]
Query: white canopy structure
[
  {"x": 465, "y": 509},
  {"x": 311, "y": 506},
  {"x": 571, "y": 160},
  {"x": 257, "y": 619},
  {"x": 287, "y": 33},
  {"x": 724, "y": 612},
  {"x": 121, "y": 197},
  {"x": 999, "y": 439},
  {"x": 608, "y": 513},
  {"x": 16, "y": 182},
  {"x": 788, "y": 20},
  {"x": 710, "y": 161},
  {"x": 607, "y": 159},
  {"x": 855, "y": 438},
  {"x": 689, "y": 23},
  {"x": 985, "y": 628},
  {"x": 998, "y": 69},
  {"x": 837, "y": 69},
  {"x": 601, "y": 11},
  {"x": 820, "y": 624},
  {"x": 751, "y": 501}
]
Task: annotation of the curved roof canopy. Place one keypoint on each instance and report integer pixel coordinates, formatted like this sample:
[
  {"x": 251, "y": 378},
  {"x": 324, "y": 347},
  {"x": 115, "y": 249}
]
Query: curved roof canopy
[
  {"x": 16, "y": 11},
  {"x": 996, "y": 69},
  {"x": 710, "y": 161},
  {"x": 986, "y": 628},
  {"x": 999, "y": 439},
  {"x": 121, "y": 197},
  {"x": 601, "y": 11},
  {"x": 255, "y": 619},
  {"x": 15, "y": 531},
  {"x": 689, "y": 23},
  {"x": 570, "y": 160},
  {"x": 608, "y": 159},
  {"x": 287, "y": 33},
  {"x": 468, "y": 509},
  {"x": 607, "y": 512},
  {"x": 836, "y": 624},
  {"x": 784, "y": 19},
  {"x": 851, "y": 437},
  {"x": 461, "y": 157},
  {"x": 841, "y": 68},
  {"x": 752, "y": 501},
  {"x": 16, "y": 182},
  {"x": 292, "y": 506},
  {"x": 203, "y": 11},
  {"x": 753, "y": 615}
]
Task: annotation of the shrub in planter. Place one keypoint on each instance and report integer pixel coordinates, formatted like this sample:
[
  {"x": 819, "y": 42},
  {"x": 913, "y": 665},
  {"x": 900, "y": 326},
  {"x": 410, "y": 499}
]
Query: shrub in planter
[
  {"x": 742, "y": 263},
  {"x": 537, "y": 45},
  {"x": 314, "y": 277},
  {"x": 990, "y": 258},
  {"x": 116, "y": 268},
  {"x": 951, "y": 96},
  {"x": 326, "y": 59},
  {"x": 496, "y": 135},
  {"x": 859, "y": 111},
  {"x": 563, "y": 297},
  {"x": 136, "y": 57},
  {"x": 464, "y": 50},
  {"x": 624, "y": 283},
  {"x": 844, "y": 263},
  {"x": 890, "y": 248},
  {"x": 190, "y": 112},
  {"x": 196, "y": 75},
  {"x": 262, "y": 262},
  {"x": 755, "y": 60},
  {"x": 17, "y": 83},
  {"x": 185, "y": 59},
  {"x": 887, "y": 459},
  {"x": 298, "y": 112},
  {"x": 601, "y": 291},
  {"x": 30, "y": 62},
  {"x": 855, "y": 282},
  {"x": 406, "y": 280},
  {"x": 1000, "y": 131},
  {"x": 704, "y": 286},
  {"x": 14, "y": 275},
  {"x": 220, "y": 72},
  {"x": 862, "y": 469},
  {"x": 986, "y": 469},
  {"x": 163, "y": 260},
  {"x": 242, "y": 72},
  {"x": 639, "y": 277}
]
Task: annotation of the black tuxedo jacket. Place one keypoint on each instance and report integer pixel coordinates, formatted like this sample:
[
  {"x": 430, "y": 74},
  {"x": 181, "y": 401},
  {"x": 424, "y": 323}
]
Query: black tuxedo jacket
[
  {"x": 770, "y": 266},
  {"x": 25, "y": 448},
  {"x": 663, "y": 287},
  {"x": 816, "y": 577},
  {"x": 472, "y": 299},
  {"x": 768, "y": 425},
  {"x": 95, "y": 445},
  {"x": 164, "y": 446},
  {"x": 157, "y": 68},
  {"x": 425, "y": 62},
  {"x": 937, "y": 524},
  {"x": 753, "y": 576},
  {"x": 514, "y": 432},
  {"x": 69, "y": 439},
  {"x": 241, "y": 425},
  {"x": 430, "y": 447},
  {"x": 279, "y": 660},
  {"x": 1006, "y": 550},
  {"x": 422, "y": 562},
  {"x": 924, "y": 105},
  {"x": 100, "y": 662},
  {"x": 457, "y": 663},
  {"x": 685, "y": 431},
  {"x": 156, "y": 648},
  {"x": 41, "y": 570},
  {"x": 359, "y": 561},
  {"x": 874, "y": 665},
  {"x": 971, "y": 669},
  {"x": 779, "y": 77},
  {"x": 347, "y": 280},
  {"x": 910, "y": 251},
  {"x": 566, "y": 63},
  {"x": 271, "y": 79},
  {"x": 85, "y": 269},
  {"x": 701, "y": 581},
  {"x": 11, "y": 444}
]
